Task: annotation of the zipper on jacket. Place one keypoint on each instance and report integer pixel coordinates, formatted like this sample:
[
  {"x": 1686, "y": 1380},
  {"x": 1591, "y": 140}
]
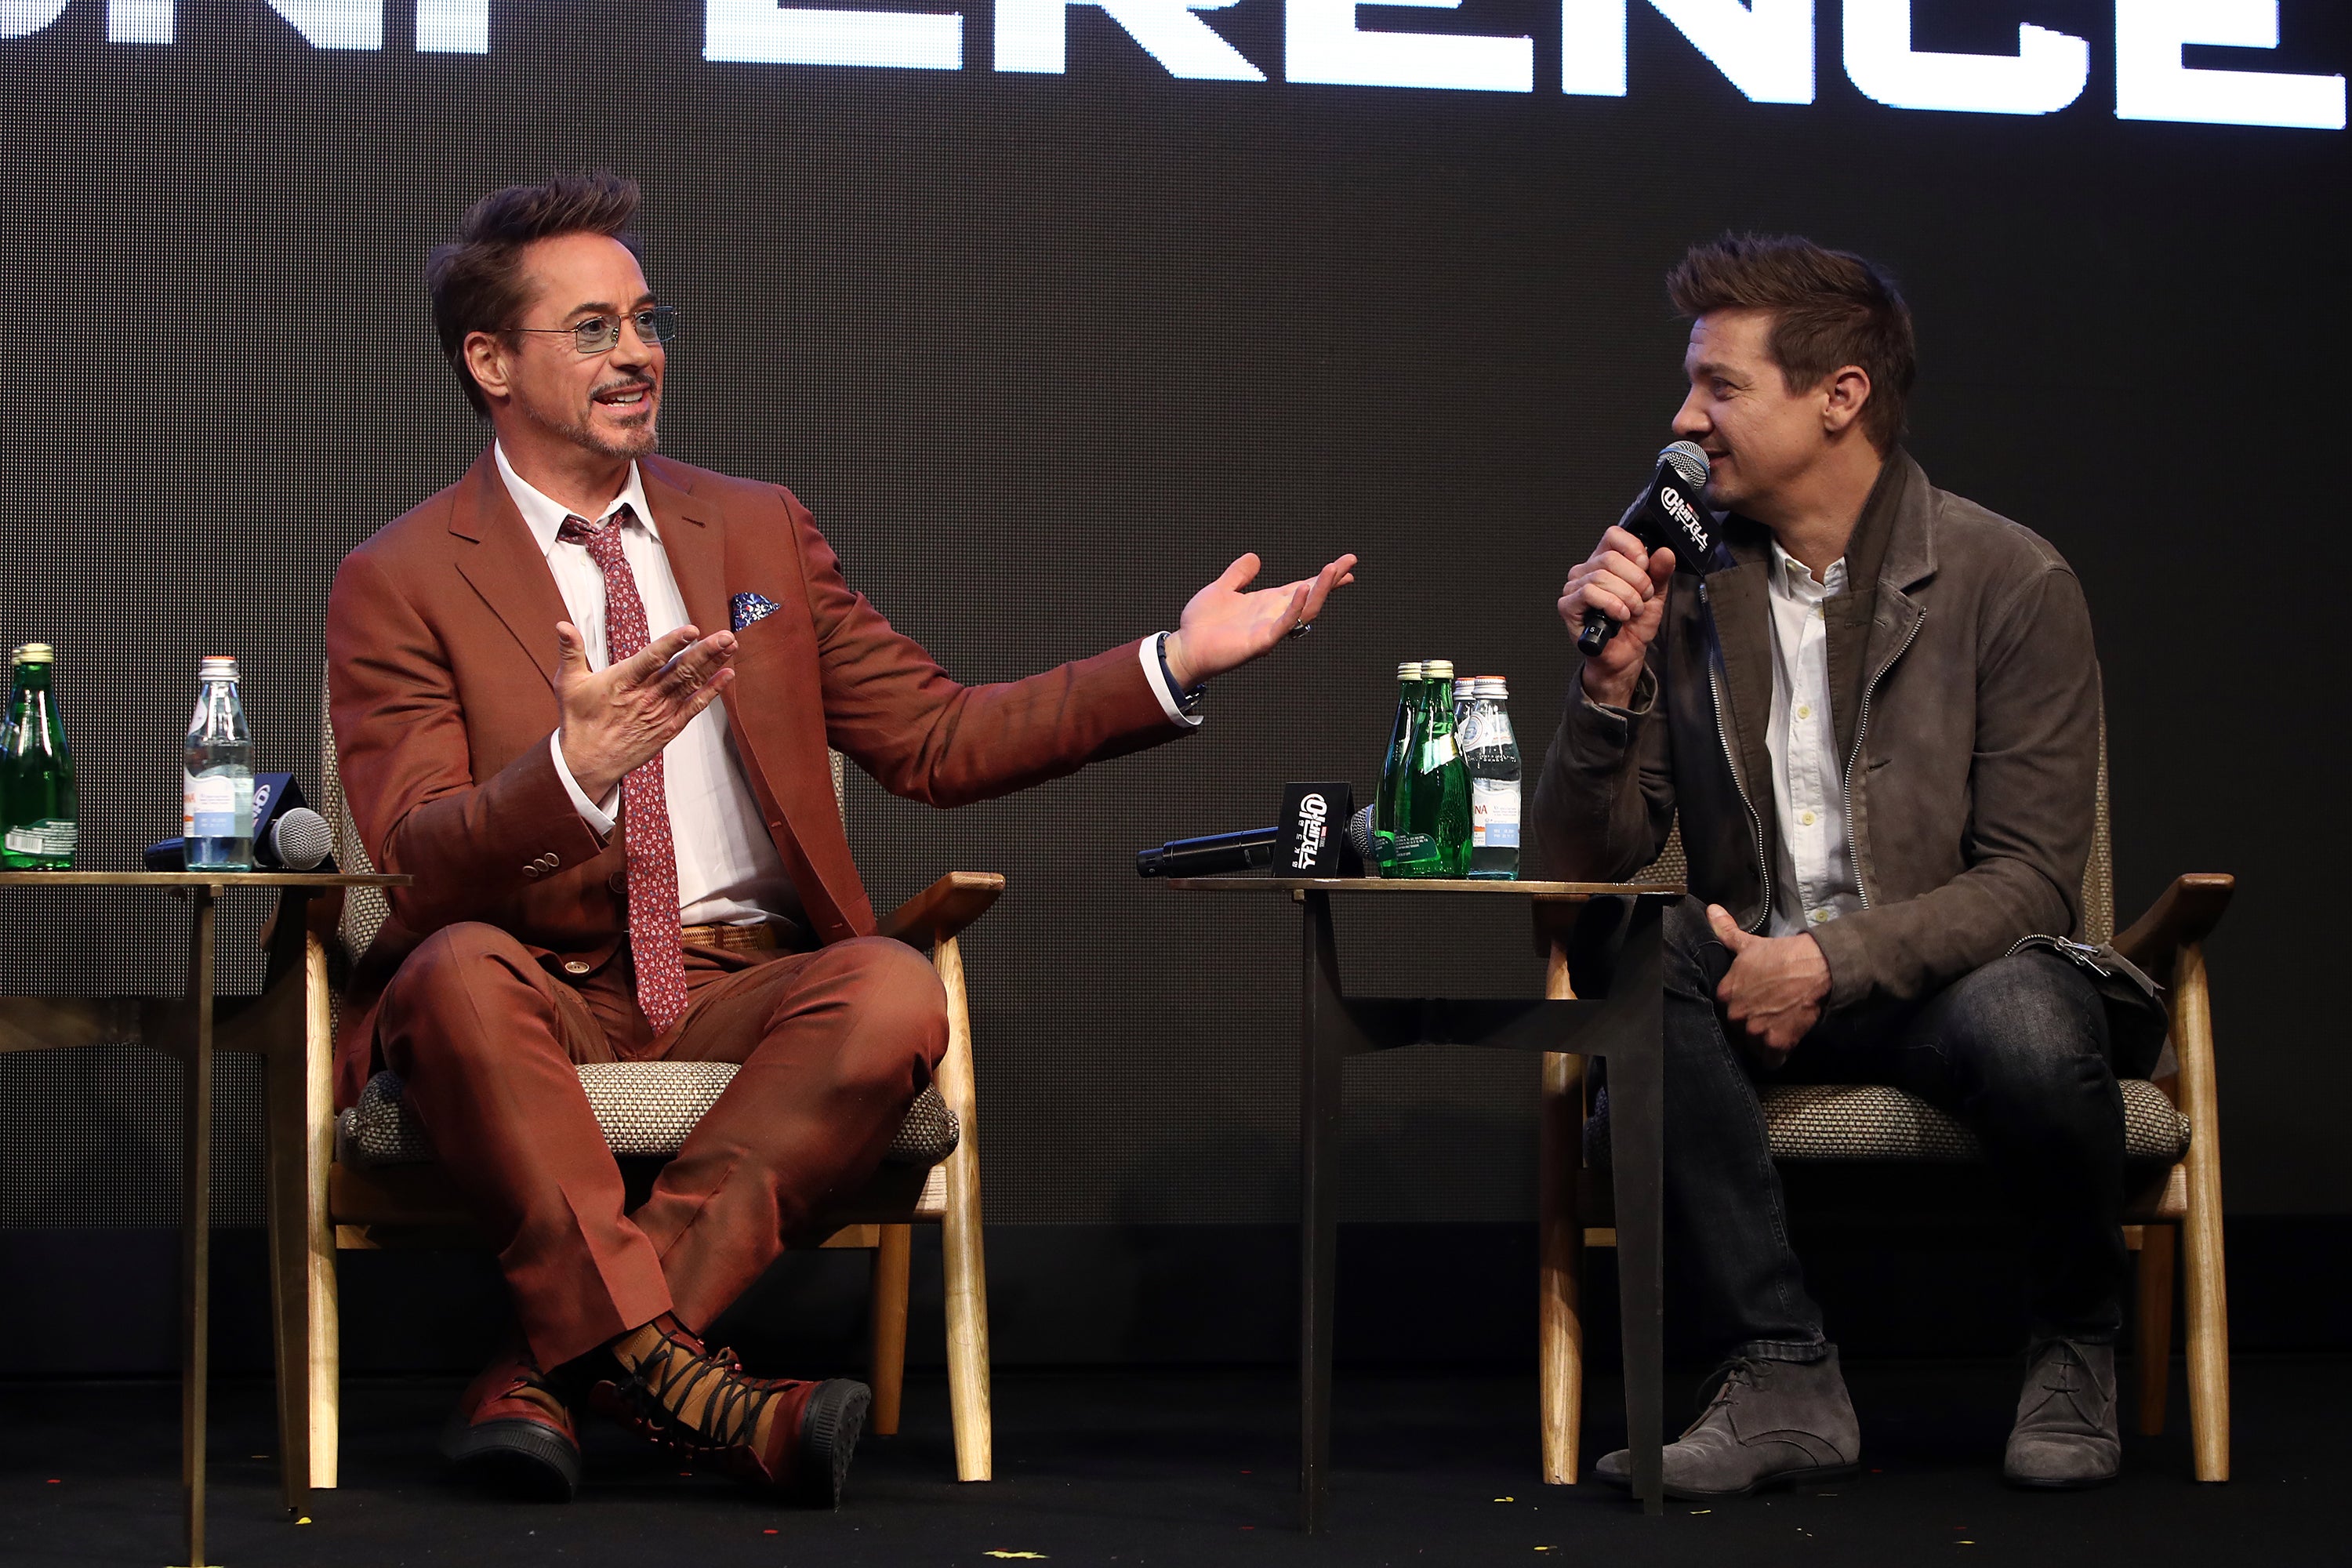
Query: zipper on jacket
[
  {"x": 1861, "y": 729},
  {"x": 1763, "y": 850}
]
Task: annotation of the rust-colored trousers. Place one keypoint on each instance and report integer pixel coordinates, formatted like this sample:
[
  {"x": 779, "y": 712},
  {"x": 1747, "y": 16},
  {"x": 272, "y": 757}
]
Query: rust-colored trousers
[{"x": 833, "y": 1046}]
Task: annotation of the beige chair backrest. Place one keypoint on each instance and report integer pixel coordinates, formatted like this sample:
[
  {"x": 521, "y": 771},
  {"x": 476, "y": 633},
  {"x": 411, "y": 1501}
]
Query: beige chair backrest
[
  {"x": 2098, "y": 873},
  {"x": 365, "y": 909}
]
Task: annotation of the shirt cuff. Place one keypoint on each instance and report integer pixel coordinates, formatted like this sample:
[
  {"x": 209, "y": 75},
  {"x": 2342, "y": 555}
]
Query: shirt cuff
[
  {"x": 599, "y": 818},
  {"x": 1149, "y": 651}
]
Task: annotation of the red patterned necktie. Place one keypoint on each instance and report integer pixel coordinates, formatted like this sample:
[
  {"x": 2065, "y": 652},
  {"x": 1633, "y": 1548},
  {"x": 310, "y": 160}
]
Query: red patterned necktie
[{"x": 654, "y": 941}]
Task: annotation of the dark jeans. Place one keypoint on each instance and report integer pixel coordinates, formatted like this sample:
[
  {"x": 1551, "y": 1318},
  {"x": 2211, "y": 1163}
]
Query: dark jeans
[{"x": 2018, "y": 1050}]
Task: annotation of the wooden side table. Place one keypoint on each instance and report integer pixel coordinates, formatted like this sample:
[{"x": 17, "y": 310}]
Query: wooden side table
[
  {"x": 192, "y": 1026},
  {"x": 1624, "y": 1025}
]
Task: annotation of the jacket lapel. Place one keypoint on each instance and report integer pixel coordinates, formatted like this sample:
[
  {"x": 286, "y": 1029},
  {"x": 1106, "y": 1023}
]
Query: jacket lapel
[
  {"x": 503, "y": 563},
  {"x": 1737, "y": 598}
]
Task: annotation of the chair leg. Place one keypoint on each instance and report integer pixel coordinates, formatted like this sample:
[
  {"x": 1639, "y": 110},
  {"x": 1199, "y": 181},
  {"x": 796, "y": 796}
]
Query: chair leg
[
  {"x": 1560, "y": 1324},
  {"x": 290, "y": 1272},
  {"x": 322, "y": 1318},
  {"x": 2152, "y": 1328},
  {"x": 888, "y": 1359},
  {"x": 2205, "y": 1290},
  {"x": 963, "y": 1269}
]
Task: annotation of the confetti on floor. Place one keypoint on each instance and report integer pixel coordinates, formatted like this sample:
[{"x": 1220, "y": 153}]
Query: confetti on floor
[
  {"x": 1025, "y": 1556},
  {"x": 304, "y": 1520},
  {"x": 1507, "y": 1499}
]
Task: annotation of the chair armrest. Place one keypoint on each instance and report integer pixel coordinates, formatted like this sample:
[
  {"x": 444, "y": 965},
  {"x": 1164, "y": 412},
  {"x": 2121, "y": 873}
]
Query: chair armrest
[
  {"x": 2185, "y": 912},
  {"x": 944, "y": 908}
]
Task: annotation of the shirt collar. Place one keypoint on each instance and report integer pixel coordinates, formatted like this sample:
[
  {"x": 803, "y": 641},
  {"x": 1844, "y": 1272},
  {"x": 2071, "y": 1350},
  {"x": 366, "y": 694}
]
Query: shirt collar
[
  {"x": 544, "y": 517},
  {"x": 1791, "y": 575}
]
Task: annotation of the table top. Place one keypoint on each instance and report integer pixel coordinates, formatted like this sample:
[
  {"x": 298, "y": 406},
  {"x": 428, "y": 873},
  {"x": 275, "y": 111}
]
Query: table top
[
  {"x": 1253, "y": 882},
  {"x": 200, "y": 879}
]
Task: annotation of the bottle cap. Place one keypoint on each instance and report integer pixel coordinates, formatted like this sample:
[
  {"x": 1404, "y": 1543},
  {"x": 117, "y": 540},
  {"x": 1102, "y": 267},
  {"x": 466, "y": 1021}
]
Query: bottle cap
[
  {"x": 37, "y": 653},
  {"x": 1466, "y": 687},
  {"x": 217, "y": 667},
  {"x": 1492, "y": 686},
  {"x": 1409, "y": 671},
  {"x": 1437, "y": 669}
]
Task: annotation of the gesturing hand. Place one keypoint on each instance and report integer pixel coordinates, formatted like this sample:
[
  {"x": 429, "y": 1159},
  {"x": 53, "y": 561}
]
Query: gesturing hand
[
  {"x": 1775, "y": 988},
  {"x": 1225, "y": 629},
  {"x": 623, "y": 714}
]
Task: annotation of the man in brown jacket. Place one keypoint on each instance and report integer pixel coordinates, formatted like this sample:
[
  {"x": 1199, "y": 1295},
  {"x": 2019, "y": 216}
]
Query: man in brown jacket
[
  {"x": 585, "y": 696},
  {"x": 1877, "y": 719}
]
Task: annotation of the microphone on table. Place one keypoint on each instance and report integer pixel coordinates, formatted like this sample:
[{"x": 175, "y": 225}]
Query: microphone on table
[
  {"x": 1309, "y": 840},
  {"x": 1210, "y": 855},
  {"x": 1672, "y": 514},
  {"x": 288, "y": 836}
]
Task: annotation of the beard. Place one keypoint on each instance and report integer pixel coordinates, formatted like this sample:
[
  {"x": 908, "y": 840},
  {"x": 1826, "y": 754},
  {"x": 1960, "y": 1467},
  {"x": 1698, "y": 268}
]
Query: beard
[{"x": 628, "y": 445}]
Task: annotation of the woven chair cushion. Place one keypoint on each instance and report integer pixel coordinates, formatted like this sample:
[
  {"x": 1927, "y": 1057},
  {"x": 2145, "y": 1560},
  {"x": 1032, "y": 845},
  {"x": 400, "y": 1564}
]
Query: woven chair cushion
[
  {"x": 643, "y": 1108},
  {"x": 1817, "y": 1122}
]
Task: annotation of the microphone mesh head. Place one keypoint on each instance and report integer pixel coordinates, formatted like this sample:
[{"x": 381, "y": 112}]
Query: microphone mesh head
[
  {"x": 1360, "y": 833},
  {"x": 301, "y": 839},
  {"x": 1688, "y": 461}
]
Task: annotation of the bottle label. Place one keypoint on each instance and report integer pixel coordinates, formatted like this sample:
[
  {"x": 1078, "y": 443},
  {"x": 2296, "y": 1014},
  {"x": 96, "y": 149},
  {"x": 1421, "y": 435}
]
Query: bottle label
[
  {"x": 218, "y": 806},
  {"x": 1436, "y": 752},
  {"x": 1494, "y": 813},
  {"x": 46, "y": 838}
]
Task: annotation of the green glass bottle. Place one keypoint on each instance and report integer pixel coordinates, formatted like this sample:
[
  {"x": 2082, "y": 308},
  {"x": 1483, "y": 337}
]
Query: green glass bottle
[
  {"x": 1433, "y": 832},
  {"x": 38, "y": 813},
  {"x": 1396, "y": 770}
]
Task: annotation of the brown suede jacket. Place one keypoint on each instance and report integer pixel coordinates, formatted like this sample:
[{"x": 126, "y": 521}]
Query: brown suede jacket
[{"x": 1965, "y": 701}]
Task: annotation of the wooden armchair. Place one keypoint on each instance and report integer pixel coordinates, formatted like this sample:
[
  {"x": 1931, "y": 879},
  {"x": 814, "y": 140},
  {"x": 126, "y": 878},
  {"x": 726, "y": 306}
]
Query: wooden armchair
[
  {"x": 2172, "y": 1135},
  {"x": 353, "y": 1184}
]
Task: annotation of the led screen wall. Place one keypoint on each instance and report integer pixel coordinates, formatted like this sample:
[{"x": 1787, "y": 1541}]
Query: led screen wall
[{"x": 1050, "y": 310}]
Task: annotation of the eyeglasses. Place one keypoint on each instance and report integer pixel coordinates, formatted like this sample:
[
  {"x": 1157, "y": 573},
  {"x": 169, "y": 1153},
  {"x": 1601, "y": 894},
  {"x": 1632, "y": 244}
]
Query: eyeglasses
[{"x": 600, "y": 334}]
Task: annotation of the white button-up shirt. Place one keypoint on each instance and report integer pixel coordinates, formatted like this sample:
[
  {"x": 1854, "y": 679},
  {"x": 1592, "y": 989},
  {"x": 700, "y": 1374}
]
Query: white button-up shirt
[
  {"x": 1814, "y": 871},
  {"x": 728, "y": 870}
]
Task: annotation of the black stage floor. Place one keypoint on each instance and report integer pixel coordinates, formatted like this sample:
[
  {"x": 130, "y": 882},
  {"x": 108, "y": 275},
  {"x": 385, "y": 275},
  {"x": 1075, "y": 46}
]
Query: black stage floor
[{"x": 1179, "y": 1468}]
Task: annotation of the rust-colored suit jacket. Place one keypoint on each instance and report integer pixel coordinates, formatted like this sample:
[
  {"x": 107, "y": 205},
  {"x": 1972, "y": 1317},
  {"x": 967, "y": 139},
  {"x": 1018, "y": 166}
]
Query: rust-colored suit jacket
[{"x": 441, "y": 656}]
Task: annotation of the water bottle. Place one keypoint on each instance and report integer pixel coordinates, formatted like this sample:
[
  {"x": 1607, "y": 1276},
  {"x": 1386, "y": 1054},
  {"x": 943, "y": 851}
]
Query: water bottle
[
  {"x": 1492, "y": 753},
  {"x": 1433, "y": 830},
  {"x": 216, "y": 810},
  {"x": 38, "y": 815},
  {"x": 1396, "y": 770}
]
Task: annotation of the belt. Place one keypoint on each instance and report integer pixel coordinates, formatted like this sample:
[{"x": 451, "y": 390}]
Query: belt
[{"x": 757, "y": 937}]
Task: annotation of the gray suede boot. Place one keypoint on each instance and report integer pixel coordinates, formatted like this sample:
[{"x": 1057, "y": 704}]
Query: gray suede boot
[
  {"x": 2065, "y": 1436},
  {"x": 1770, "y": 1424}
]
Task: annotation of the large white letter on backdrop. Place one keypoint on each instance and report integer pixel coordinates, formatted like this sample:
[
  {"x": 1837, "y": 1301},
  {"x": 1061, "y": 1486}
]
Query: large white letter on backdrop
[
  {"x": 2044, "y": 76},
  {"x": 324, "y": 24},
  {"x": 1034, "y": 36},
  {"x": 760, "y": 32},
  {"x": 20, "y": 18},
  {"x": 1766, "y": 47},
  {"x": 1324, "y": 44},
  {"x": 2152, "y": 84},
  {"x": 453, "y": 27}
]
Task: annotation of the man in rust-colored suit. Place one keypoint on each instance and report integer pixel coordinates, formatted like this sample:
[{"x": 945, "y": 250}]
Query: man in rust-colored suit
[{"x": 585, "y": 696}]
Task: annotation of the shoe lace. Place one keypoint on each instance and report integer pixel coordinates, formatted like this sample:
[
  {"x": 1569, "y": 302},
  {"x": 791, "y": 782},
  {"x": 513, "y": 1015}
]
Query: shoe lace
[
  {"x": 2060, "y": 1371},
  {"x": 1733, "y": 1371},
  {"x": 670, "y": 1376}
]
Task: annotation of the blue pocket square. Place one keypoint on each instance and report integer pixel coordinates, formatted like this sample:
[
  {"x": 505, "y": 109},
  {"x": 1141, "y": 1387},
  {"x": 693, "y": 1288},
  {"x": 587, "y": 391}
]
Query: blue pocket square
[{"x": 750, "y": 608}]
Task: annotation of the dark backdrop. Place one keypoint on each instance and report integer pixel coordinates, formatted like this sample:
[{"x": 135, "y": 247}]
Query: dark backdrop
[{"x": 1045, "y": 351}]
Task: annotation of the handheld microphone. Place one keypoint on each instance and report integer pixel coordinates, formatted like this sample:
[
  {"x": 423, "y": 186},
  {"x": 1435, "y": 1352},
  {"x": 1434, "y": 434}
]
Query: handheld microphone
[
  {"x": 1671, "y": 514},
  {"x": 286, "y": 835},
  {"x": 1212, "y": 854}
]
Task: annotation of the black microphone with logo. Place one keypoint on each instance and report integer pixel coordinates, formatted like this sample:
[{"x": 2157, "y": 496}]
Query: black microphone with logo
[
  {"x": 288, "y": 836},
  {"x": 1310, "y": 840},
  {"x": 1671, "y": 515}
]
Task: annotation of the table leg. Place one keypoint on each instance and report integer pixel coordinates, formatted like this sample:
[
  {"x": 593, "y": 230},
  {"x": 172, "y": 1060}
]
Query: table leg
[
  {"x": 1636, "y": 1129},
  {"x": 195, "y": 1214},
  {"x": 1321, "y": 1048}
]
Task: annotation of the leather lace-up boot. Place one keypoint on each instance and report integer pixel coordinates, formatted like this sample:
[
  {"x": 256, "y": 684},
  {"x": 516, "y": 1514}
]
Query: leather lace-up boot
[
  {"x": 1772, "y": 1423},
  {"x": 512, "y": 1431},
  {"x": 792, "y": 1436},
  {"x": 2065, "y": 1436}
]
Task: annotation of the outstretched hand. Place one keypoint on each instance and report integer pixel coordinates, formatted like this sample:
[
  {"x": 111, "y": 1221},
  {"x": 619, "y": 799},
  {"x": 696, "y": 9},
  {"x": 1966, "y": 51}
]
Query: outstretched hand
[
  {"x": 1224, "y": 627},
  {"x": 620, "y": 716},
  {"x": 1775, "y": 988}
]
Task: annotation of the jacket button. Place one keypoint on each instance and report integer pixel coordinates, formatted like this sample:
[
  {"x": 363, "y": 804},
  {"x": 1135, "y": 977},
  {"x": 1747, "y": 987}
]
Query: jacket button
[
  {"x": 576, "y": 966},
  {"x": 618, "y": 881},
  {"x": 531, "y": 872},
  {"x": 550, "y": 861}
]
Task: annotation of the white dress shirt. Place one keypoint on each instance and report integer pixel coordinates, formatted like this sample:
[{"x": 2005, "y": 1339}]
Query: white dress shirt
[
  {"x": 1813, "y": 873},
  {"x": 728, "y": 870}
]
